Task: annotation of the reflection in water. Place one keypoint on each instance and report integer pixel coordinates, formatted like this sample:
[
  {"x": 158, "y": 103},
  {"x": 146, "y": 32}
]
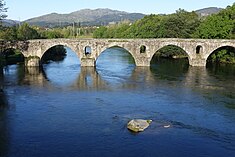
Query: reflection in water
[
  {"x": 141, "y": 77},
  {"x": 35, "y": 76},
  {"x": 223, "y": 72},
  {"x": 115, "y": 65},
  {"x": 89, "y": 79},
  {"x": 197, "y": 77},
  {"x": 200, "y": 78},
  {"x": 4, "y": 134},
  {"x": 1, "y": 78},
  {"x": 224, "y": 80},
  {"x": 170, "y": 69},
  {"x": 3, "y": 99},
  {"x": 64, "y": 72}
]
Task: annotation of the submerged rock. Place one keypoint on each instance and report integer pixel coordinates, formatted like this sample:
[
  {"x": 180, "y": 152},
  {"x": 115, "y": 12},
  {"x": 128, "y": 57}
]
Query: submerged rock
[{"x": 138, "y": 125}]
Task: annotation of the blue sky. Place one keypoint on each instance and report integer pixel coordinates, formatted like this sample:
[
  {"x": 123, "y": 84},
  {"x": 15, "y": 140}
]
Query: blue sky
[{"x": 25, "y": 9}]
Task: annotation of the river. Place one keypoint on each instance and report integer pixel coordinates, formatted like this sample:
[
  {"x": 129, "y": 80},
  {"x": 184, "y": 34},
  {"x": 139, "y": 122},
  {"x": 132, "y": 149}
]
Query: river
[{"x": 64, "y": 110}]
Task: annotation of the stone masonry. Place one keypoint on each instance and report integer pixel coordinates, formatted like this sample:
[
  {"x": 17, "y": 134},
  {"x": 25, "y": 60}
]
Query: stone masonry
[{"x": 198, "y": 50}]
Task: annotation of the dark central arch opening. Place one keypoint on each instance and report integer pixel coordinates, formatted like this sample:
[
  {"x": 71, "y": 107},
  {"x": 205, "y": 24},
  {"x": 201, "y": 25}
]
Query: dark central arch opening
[
  {"x": 170, "y": 60},
  {"x": 170, "y": 52}
]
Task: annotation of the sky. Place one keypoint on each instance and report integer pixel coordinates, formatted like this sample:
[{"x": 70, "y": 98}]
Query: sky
[{"x": 26, "y": 9}]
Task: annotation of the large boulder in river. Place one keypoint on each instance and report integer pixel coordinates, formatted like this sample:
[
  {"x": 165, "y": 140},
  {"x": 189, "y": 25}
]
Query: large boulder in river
[{"x": 138, "y": 125}]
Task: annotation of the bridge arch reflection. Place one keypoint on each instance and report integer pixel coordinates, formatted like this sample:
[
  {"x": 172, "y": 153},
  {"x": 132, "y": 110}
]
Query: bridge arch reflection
[{"x": 89, "y": 79}]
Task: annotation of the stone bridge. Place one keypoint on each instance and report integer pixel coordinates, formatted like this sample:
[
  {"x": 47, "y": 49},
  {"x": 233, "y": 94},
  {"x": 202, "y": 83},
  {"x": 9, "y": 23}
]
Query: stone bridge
[{"x": 142, "y": 50}]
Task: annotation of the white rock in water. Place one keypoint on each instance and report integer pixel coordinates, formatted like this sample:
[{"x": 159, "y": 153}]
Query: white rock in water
[{"x": 138, "y": 125}]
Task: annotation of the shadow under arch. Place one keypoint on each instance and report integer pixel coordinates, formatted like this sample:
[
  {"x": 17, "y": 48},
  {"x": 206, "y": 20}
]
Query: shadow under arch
[
  {"x": 221, "y": 63},
  {"x": 59, "y": 43},
  {"x": 10, "y": 56},
  {"x": 55, "y": 53},
  {"x": 223, "y": 54},
  {"x": 171, "y": 52},
  {"x": 170, "y": 60}
]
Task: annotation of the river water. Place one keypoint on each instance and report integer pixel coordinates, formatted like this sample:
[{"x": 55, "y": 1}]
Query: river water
[{"x": 64, "y": 110}]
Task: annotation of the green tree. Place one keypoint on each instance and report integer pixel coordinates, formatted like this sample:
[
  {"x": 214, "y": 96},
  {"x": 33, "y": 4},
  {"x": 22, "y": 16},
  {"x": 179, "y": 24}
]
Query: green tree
[
  {"x": 25, "y": 32},
  {"x": 182, "y": 24},
  {"x": 3, "y": 9},
  {"x": 52, "y": 34},
  {"x": 145, "y": 28},
  {"x": 215, "y": 27},
  {"x": 223, "y": 55},
  {"x": 8, "y": 33},
  {"x": 218, "y": 26},
  {"x": 100, "y": 32}
]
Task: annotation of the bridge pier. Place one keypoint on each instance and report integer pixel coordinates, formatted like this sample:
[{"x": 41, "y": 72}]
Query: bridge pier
[
  {"x": 32, "y": 61},
  {"x": 88, "y": 62},
  {"x": 142, "y": 62},
  {"x": 199, "y": 62}
]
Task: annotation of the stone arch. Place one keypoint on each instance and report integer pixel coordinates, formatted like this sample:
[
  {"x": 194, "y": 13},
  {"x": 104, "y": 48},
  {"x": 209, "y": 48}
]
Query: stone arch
[
  {"x": 7, "y": 49},
  {"x": 47, "y": 47},
  {"x": 214, "y": 50},
  {"x": 211, "y": 51},
  {"x": 165, "y": 45},
  {"x": 125, "y": 47},
  {"x": 12, "y": 45}
]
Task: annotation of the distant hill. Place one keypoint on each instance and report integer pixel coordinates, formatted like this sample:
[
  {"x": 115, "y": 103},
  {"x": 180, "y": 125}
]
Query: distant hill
[
  {"x": 85, "y": 17},
  {"x": 9, "y": 23},
  {"x": 208, "y": 11}
]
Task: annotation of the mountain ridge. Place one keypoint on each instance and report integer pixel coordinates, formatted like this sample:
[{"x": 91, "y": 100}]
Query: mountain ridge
[
  {"x": 99, "y": 16},
  {"x": 85, "y": 16},
  {"x": 208, "y": 11}
]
